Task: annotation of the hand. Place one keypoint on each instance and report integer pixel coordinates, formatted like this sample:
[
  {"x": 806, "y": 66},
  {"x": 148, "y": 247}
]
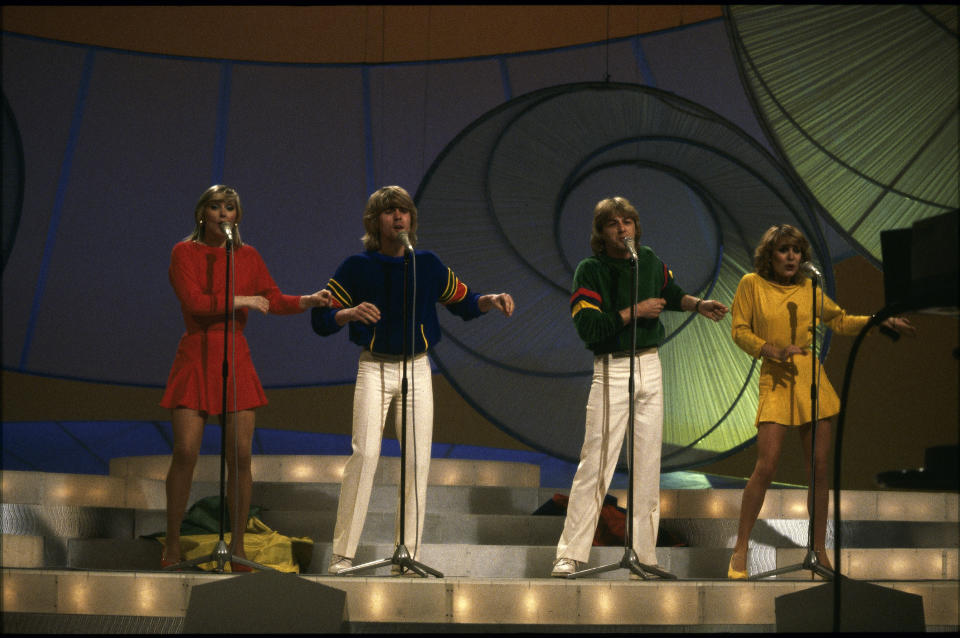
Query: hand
[
  {"x": 365, "y": 312},
  {"x": 502, "y": 302},
  {"x": 712, "y": 309},
  {"x": 255, "y": 302},
  {"x": 648, "y": 308},
  {"x": 901, "y": 325},
  {"x": 320, "y": 299},
  {"x": 786, "y": 353}
]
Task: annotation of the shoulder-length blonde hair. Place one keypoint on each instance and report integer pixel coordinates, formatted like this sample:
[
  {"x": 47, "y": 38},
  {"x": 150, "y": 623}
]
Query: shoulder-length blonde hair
[
  {"x": 216, "y": 193},
  {"x": 387, "y": 198},
  {"x": 776, "y": 235},
  {"x": 603, "y": 211}
]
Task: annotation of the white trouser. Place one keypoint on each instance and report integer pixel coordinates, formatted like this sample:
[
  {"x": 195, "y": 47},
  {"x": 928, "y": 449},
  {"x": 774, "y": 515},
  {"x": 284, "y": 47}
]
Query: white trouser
[
  {"x": 606, "y": 425},
  {"x": 379, "y": 385}
]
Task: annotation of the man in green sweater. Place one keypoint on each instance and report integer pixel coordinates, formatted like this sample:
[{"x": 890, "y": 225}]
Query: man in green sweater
[{"x": 600, "y": 307}]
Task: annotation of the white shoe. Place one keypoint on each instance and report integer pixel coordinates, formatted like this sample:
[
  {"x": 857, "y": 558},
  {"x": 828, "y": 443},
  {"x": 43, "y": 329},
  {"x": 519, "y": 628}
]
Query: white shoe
[
  {"x": 339, "y": 563},
  {"x": 565, "y": 566}
]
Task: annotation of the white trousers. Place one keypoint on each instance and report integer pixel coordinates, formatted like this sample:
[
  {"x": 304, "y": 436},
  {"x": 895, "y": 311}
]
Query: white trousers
[
  {"x": 606, "y": 426},
  {"x": 378, "y": 386}
]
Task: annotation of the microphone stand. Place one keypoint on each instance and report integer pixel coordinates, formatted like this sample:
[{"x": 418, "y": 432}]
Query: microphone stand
[
  {"x": 810, "y": 561},
  {"x": 629, "y": 560},
  {"x": 221, "y": 553},
  {"x": 401, "y": 555}
]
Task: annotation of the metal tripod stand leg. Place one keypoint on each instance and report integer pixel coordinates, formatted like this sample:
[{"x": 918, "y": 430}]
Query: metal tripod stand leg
[
  {"x": 221, "y": 556},
  {"x": 810, "y": 562},
  {"x": 629, "y": 562},
  {"x": 401, "y": 558}
]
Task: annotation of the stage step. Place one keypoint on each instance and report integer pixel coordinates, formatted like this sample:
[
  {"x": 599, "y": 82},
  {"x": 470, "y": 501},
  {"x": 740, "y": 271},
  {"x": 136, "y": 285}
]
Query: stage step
[
  {"x": 461, "y": 604},
  {"x": 66, "y": 522},
  {"x": 72, "y": 545},
  {"x": 329, "y": 469},
  {"x": 147, "y": 493},
  {"x": 477, "y": 560}
]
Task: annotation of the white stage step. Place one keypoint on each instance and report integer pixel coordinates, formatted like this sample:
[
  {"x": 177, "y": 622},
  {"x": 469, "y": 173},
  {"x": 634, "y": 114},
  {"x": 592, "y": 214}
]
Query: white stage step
[
  {"x": 480, "y": 533},
  {"x": 458, "y": 603}
]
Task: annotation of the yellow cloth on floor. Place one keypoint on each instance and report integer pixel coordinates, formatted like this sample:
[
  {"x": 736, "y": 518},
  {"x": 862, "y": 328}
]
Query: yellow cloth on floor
[{"x": 262, "y": 545}]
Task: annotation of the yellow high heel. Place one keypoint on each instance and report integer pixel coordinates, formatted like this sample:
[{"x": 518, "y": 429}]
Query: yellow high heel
[{"x": 734, "y": 574}]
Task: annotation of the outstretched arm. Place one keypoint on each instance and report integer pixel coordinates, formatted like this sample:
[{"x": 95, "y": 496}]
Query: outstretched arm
[
  {"x": 319, "y": 299},
  {"x": 709, "y": 308}
]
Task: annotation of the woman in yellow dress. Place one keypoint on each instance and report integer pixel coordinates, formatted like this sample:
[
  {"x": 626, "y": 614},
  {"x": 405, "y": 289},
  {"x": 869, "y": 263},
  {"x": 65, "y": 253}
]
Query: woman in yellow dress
[{"x": 771, "y": 321}]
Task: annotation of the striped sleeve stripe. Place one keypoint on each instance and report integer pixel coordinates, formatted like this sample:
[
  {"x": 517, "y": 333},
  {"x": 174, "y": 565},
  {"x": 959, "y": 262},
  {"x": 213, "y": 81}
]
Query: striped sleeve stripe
[
  {"x": 580, "y": 305},
  {"x": 340, "y": 295},
  {"x": 585, "y": 293},
  {"x": 455, "y": 291}
]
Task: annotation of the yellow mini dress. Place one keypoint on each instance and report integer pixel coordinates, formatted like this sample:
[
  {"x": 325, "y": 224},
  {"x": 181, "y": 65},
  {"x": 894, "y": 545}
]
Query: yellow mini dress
[{"x": 764, "y": 312}]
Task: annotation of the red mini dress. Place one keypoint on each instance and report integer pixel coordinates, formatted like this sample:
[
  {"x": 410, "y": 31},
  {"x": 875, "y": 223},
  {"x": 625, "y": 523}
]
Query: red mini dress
[{"x": 198, "y": 276}]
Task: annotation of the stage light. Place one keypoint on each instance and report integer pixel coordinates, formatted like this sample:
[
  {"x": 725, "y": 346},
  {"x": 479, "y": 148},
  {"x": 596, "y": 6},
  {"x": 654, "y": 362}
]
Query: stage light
[
  {"x": 146, "y": 596},
  {"x": 301, "y": 471},
  {"x": 531, "y": 604},
  {"x": 376, "y": 602},
  {"x": 79, "y": 596}
]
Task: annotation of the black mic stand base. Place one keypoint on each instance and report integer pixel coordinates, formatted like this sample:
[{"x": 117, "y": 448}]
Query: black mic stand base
[
  {"x": 629, "y": 562},
  {"x": 401, "y": 558},
  {"x": 810, "y": 562},
  {"x": 221, "y": 556}
]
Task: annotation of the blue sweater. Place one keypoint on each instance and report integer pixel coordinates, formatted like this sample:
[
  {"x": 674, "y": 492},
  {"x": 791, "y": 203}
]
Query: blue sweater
[{"x": 378, "y": 279}]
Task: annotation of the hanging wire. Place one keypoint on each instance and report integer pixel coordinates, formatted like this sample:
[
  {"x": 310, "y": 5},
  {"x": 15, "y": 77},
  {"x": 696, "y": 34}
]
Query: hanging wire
[
  {"x": 426, "y": 95},
  {"x": 606, "y": 48}
]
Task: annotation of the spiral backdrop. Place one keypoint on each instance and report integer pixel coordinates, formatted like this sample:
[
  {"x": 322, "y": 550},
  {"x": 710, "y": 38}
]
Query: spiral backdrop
[
  {"x": 516, "y": 190},
  {"x": 105, "y": 152},
  {"x": 862, "y": 101}
]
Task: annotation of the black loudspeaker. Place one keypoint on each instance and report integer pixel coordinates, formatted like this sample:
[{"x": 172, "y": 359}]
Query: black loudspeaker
[
  {"x": 864, "y": 607},
  {"x": 265, "y": 603},
  {"x": 920, "y": 265}
]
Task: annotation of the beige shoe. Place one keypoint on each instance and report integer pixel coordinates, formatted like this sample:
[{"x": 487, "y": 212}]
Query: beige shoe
[
  {"x": 339, "y": 563},
  {"x": 565, "y": 566}
]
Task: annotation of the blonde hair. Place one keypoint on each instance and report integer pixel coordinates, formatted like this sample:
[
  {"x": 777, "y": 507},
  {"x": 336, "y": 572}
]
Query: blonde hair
[
  {"x": 216, "y": 193},
  {"x": 603, "y": 211},
  {"x": 776, "y": 235},
  {"x": 387, "y": 198}
]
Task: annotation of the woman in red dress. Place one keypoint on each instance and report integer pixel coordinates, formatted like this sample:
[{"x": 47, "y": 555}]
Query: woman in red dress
[{"x": 195, "y": 385}]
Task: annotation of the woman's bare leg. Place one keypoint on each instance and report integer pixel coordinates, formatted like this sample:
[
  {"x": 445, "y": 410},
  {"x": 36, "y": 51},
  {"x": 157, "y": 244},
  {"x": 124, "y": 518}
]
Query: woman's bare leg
[
  {"x": 769, "y": 445},
  {"x": 240, "y": 426},
  {"x": 187, "y": 435}
]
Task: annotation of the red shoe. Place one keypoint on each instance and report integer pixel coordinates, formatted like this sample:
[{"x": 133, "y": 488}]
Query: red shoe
[
  {"x": 237, "y": 567},
  {"x": 164, "y": 563}
]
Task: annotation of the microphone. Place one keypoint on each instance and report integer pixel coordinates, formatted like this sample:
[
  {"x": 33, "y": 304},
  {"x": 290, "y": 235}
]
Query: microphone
[
  {"x": 628, "y": 242},
  {"x": 405, "y": 240},
  {"x": 810, "y": 270},
  {"x": 227, "y": 229}
]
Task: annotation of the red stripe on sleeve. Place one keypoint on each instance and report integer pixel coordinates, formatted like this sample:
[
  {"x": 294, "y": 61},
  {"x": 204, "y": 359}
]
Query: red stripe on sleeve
[{"x": 586, "y": 292}]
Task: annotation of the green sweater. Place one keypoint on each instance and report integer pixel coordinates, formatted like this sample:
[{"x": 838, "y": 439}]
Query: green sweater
[{"x": 601, "y": 288}]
